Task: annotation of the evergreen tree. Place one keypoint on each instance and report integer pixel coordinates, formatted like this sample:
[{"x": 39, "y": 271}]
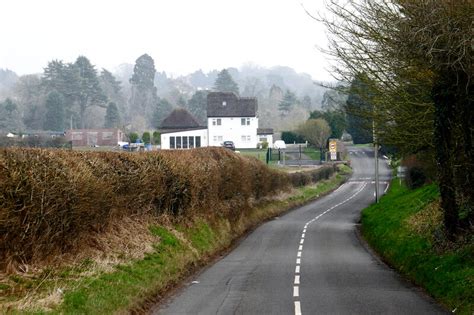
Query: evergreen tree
[
  {"x": 89, "y": 92},
  {"x": 143, "y": 98},
  {"x": 286, "y": 104},
  {"x": 335, "y": 118},
  {"x": 162, "y": 109},
  {"x": 197, "y": 106},
  {"x": 112, "y": 116},
  {"x": 112, "y": 89},
  {"x": 359, "y": 124},
  {"x": 55, "y": 114},
  {"x": 225, "y": 83},
  {"x": 307, "y": 102},
  {"x": 10, "y": 118}
]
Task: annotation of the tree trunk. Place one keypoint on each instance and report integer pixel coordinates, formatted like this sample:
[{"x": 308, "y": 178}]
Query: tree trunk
[{"x": 445, "y": 99}]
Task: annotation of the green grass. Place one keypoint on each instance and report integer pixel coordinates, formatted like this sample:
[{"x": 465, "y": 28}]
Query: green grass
[
  {"x": 448, "y": 275},
  {"x": 259, "y": 154},
  {"x": 313, "y": 153}
]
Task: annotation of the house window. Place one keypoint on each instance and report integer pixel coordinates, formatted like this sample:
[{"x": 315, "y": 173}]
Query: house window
[
  {"x": 198, "y": 142},
  {"x": 220, "y": 138},
  {"x": 249, "y": 138},
  {"x": 215, "y": 138},
  {"x": 245, "y": 121},
  {"x": 217, "y": 122},
  {"x": 185, "y": 142},
  {"x": 245, "y": 138},
  {"x": 172, "y": 142},
  {"x": 191, "y": 142},
  {"x": 263, "y": 139},
  {"x": 178, "y": 142}
]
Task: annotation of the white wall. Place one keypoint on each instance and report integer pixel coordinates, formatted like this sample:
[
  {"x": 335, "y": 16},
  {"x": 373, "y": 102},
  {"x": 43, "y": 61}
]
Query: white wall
[
  {"x": 165, "y": 137},
  {"x": 231, "y": 129}
]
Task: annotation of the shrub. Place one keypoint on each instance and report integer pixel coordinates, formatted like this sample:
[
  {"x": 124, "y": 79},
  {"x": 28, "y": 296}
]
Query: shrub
[{"x": 292, "y": 137}]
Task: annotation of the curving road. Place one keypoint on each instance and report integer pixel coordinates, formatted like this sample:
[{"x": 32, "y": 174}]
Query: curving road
[{"x": 309, "y": 261}]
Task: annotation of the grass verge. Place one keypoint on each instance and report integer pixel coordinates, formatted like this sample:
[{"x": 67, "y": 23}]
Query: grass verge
[
  {"x": 405, "y": 229},
  {"x": 134, "y": 285}
]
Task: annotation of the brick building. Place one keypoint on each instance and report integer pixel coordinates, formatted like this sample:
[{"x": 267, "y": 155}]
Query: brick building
[{"x": 92, "y": 137}]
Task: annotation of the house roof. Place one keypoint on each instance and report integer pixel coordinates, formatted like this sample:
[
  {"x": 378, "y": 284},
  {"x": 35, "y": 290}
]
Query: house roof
[
  {"x": 264, "y": 131},
  {"x": 180, "y": 118},
  {"x": 227, "y": 104}
]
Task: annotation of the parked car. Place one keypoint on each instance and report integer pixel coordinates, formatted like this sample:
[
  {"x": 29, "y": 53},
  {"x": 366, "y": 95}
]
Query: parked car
[
  {"x": 279, "y": 144},
  {"x": 229, "y": 145}
]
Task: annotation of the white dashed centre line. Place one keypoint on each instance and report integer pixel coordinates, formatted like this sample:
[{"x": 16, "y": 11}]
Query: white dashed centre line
[
  {"x": 296, "y": 291},
  {"x": 296, "y": 288}
]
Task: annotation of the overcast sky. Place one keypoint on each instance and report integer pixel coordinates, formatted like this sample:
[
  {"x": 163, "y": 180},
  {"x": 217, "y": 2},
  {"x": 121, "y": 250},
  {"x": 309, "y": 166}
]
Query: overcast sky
[{"x": 181, "y": 35}]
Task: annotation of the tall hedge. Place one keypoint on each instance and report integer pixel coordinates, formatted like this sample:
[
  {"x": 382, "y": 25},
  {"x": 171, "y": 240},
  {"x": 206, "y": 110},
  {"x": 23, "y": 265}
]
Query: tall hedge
[{"x": 51, "y": 201}]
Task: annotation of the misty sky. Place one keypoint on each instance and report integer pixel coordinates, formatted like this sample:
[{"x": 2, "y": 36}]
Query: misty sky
[{"x": 181, "y": 35}]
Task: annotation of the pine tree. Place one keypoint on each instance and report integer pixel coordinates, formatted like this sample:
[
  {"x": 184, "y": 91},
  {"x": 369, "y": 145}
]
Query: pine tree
[
  {"x": 287, "y": 103},
  {"x": 112, "y": 89},
  {"x": 55, "y": 114},
  {"x": 10, "y": 119},
  {"x": 89, "y": 93},
  {"x": 143, "y": 98},
  {"x": 225, "y": 83},
  {"x": 197, "y": 106},
  {"x": 112, "y": 116}
]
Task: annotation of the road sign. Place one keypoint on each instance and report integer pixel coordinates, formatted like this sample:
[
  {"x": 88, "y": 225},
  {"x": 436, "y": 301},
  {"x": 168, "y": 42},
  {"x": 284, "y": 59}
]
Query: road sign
[
  {"x": 332, "y": 146},
  {"x": 333, "y": 149}
]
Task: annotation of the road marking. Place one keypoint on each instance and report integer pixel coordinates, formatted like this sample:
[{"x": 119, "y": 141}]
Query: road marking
[
  {"x": 297, "y": 308},
  {"x": 296, "y": 291}
]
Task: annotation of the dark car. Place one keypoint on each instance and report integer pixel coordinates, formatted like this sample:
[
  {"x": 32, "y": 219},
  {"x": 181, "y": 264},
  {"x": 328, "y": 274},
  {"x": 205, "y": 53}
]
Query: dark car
[{"x": 229, "y": 145}]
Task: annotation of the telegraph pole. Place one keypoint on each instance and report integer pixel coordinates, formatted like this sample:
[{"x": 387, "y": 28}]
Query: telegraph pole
[{"x": 376, "y": 155}]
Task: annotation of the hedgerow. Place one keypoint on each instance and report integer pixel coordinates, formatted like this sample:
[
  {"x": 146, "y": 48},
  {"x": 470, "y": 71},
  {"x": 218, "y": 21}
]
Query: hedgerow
[{"x": 52, "y": 201}]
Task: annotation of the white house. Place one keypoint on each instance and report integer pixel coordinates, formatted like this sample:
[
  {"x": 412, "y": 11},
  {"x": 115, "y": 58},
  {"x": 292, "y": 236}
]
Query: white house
[
  {"x": 229, "y": 118},
  {"x": 232, "y": 118}
]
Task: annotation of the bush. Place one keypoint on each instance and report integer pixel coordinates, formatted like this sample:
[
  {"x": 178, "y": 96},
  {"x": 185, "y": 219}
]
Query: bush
[
  {"x": 292, "y": 137},
  {"x": 146, "y": 137},
  {"x": 415, "y": 177}
]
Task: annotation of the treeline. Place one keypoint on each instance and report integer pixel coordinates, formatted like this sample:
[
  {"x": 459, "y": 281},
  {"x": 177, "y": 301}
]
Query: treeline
[
  {"x": 77, "y": 94},
  {"x": 410, "y": 65}
]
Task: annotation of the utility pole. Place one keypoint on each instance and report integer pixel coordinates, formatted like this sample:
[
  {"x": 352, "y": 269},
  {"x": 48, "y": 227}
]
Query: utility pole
[{"x": 376, "y": 156}]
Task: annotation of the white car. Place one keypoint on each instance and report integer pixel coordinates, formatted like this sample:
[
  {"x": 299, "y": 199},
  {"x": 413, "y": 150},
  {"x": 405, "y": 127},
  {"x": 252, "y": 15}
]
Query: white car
[{"x": 279, "y": 144}]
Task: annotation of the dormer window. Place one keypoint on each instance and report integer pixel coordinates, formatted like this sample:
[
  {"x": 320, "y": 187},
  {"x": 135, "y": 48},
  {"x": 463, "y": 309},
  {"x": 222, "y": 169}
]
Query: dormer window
[{"x": 224, "y": 103}]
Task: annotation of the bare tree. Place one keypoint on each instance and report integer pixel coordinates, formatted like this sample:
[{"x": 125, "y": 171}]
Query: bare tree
[{"x": 417, "y": 58}]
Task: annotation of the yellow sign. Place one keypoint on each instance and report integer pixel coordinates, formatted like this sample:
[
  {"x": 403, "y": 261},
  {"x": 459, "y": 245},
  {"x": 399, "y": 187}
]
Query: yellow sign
[{"x": 332, "y": 146}]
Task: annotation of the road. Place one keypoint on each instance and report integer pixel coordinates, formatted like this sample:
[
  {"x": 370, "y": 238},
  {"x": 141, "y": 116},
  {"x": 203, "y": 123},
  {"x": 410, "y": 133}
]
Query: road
[{"x": 309, "y": 261}]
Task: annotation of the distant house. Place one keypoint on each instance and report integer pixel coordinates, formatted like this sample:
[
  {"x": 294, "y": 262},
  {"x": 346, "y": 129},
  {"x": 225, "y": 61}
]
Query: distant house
[
  {"x": 93, "y": 137},
  {"x": 229, "y": 118},
  {"x": 180, "y": 130}
]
